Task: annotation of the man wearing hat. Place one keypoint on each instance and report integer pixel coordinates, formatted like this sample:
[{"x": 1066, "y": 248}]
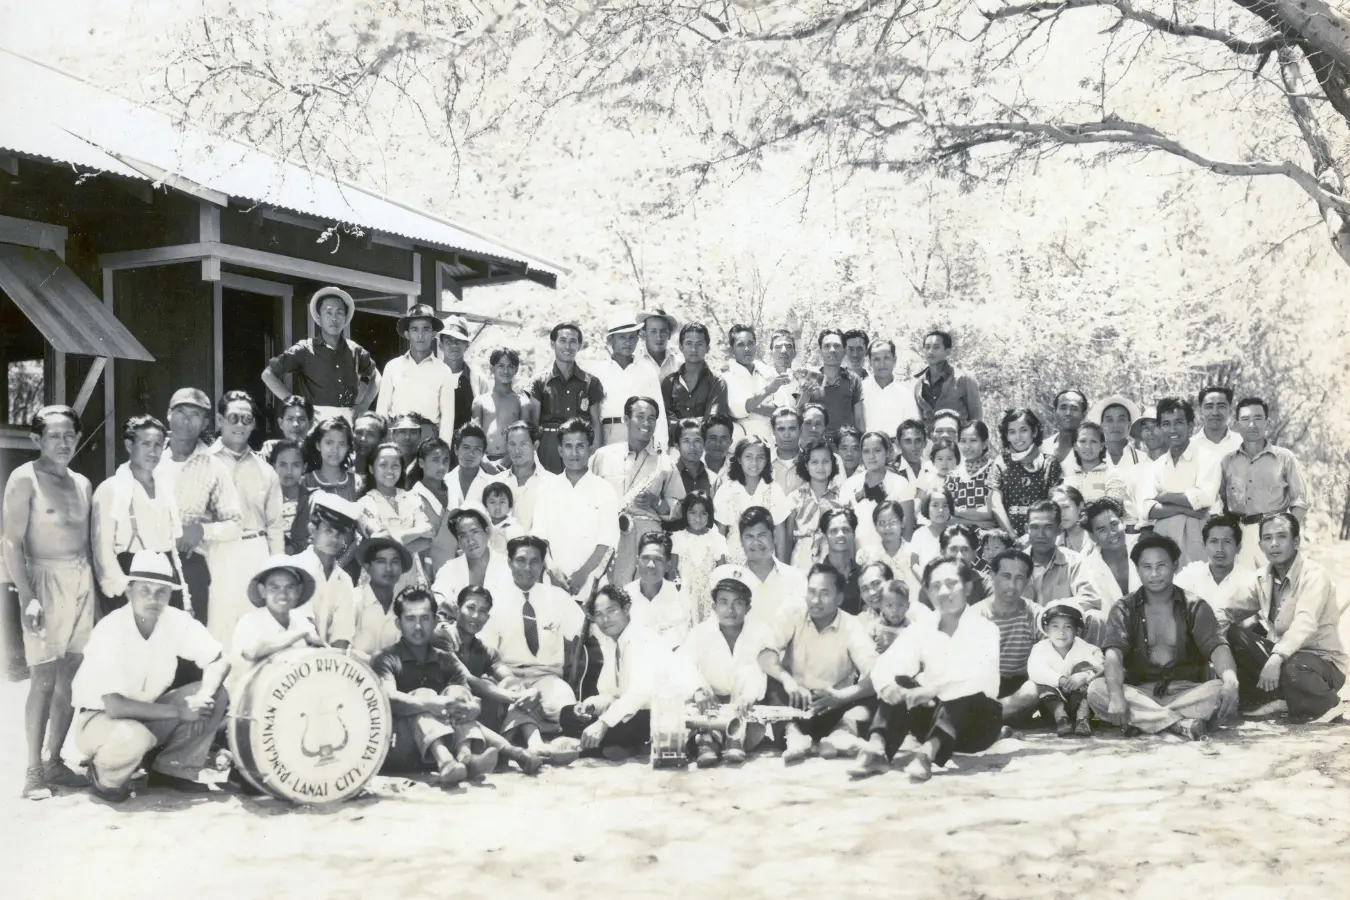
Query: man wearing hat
[
  {"x": 279, "y": 589},
  {"x": 384, "y": 560},
  {"x": 336, "y": 374},
  {"x": 724, "y": 652},
  {"x": 332, "y": 528},
  {"x": 468, "y": 384},
  {"x": 658, "y": 326},
  {"x": 208, "y": 503},
  {"x": 416, "y": 381},
  {"x": 123, "y": 705},
  {"x": 622, "y": 376},
  {"x": 564, "y": 392},
  {"x": 1117, "y": 416}
]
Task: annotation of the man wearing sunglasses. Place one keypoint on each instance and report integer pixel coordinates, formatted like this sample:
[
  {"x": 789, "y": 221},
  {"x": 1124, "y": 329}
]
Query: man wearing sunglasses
[{"x": 262, "y": 529}]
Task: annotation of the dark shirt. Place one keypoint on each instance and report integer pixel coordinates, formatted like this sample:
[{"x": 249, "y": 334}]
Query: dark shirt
[
  {"x": 441, "y": 669},
  {"x": 478, "y": 658},
  {"x": 708, "y": 397},
  {"x": 463, "y": 398},
  {"x": 695, "y": 482},
  {"x": 954, "y": 390},
  {"x": 1198, "y": 635},
  {"x": 328, "y": 376},
  {"x": 562, "y": 398},
  {"x": 840, "y": 399}
]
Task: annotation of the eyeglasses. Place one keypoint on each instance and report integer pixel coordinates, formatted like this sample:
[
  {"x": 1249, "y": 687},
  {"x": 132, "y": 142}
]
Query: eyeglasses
[{"x": 239, "y": 418}]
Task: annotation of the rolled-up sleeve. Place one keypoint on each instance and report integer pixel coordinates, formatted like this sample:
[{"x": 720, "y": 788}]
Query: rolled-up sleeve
[
  {"x": 862, "y": 650},
  {"x": 1208, "y": 479},
  {"x": 1117, "y": 633},
  {"x": 196, "y": 644},
  {"x": 1205, "y": 629},
  {"x": 1293, "y": 479}
]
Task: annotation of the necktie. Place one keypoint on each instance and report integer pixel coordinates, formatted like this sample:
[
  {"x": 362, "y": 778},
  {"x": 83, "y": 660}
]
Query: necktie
[{"x": 531, "y": 628}]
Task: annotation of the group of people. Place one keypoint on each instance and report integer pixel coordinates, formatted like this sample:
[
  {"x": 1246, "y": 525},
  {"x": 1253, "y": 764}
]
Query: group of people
[{"x": 527, "y": 570}]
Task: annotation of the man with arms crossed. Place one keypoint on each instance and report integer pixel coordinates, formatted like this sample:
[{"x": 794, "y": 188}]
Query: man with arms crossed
[{"x": 46, "y": 550}]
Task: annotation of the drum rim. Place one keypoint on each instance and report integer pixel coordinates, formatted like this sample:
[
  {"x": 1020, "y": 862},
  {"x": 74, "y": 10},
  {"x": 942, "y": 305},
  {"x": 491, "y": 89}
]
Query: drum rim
[{"x": 242, "y": 724}]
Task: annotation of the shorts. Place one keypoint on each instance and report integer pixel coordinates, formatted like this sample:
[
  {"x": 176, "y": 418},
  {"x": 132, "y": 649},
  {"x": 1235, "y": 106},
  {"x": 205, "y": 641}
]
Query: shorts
[{"x": 65, "y": 588}]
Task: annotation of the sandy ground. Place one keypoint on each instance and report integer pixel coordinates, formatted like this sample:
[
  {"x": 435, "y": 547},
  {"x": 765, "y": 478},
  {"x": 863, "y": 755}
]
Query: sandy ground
[{"x": 1262, "y": 810}]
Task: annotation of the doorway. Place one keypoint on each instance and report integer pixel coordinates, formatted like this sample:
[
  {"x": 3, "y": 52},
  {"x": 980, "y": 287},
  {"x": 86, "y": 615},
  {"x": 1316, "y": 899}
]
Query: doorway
[
  {"x": 250, "y": 335},
  {"x": 378, "y": 333}
]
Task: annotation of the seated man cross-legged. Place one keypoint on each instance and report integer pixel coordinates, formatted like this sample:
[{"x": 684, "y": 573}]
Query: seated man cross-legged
[
  {"x": 1158, "y": 642},
  {"x": 435, "y": 714},
  {"x": 123, "y": 705},
  {"x": 938, "y": 682},
  {"x": 818, "y": 659}
]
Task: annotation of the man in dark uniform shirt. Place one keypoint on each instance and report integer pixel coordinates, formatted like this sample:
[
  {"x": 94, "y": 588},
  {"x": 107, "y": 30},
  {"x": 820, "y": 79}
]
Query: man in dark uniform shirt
[
  {"x": 564, "y": 391},
  {"x": 337, "y": 375}
]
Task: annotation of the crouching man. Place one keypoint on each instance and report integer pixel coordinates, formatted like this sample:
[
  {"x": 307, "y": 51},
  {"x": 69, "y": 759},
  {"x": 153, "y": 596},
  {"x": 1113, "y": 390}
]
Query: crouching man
[
  {"x": 1158, "y": 642},
  {"x": 435, "y": 713},
  {"x": 123, "y": 705}
]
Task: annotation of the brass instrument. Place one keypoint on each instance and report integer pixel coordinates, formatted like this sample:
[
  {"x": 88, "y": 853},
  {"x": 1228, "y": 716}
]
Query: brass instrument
[
  {"x": 626, "y": 520},
  {"x": 671, "y": 728}
]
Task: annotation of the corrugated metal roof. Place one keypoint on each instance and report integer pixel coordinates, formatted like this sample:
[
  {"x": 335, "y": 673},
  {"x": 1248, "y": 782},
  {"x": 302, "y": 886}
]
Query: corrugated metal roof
[
  {"x": 56, "y": 116},
  {"x": 62, "y": 307}
]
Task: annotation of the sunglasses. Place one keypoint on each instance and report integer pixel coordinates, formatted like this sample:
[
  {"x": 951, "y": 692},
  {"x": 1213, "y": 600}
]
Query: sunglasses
[{"x": 239, "y": 418}]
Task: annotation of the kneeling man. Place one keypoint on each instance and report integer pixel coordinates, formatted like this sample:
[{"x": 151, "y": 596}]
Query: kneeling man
[
  {"x": 123, "y": 705},
  {"x": 435, "y": 713},
  {"x": 1158, "y": 642}
]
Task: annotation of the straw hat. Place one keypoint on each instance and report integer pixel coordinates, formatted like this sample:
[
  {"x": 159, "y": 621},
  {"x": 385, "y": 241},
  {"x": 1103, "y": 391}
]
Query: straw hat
[{"x": 281, "y": 563}]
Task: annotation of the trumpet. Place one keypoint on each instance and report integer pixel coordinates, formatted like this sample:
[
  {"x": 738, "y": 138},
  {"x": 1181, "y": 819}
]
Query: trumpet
[{"x": 626, "y": 519}]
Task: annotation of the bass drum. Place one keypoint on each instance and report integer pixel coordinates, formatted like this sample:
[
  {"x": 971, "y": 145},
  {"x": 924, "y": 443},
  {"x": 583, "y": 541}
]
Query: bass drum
[{"x": 310, "y": 726}]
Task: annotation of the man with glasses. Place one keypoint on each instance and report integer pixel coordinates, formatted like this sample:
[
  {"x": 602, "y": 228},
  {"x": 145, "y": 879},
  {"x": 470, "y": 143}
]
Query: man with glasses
[
  {"x": 1259, "y": 478},
  {"x": 262, "y": 528},
  {"x": 751, "y": 385},
  {"x": 336, "y": 374},
  {"x": 940, "y": 385}
]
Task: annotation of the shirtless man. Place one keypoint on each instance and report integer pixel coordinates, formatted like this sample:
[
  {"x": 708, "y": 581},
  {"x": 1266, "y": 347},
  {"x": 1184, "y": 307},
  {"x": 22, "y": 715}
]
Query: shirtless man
[
  {"x": 504, "y": 404},
  {"x": 46, "y": 550}
]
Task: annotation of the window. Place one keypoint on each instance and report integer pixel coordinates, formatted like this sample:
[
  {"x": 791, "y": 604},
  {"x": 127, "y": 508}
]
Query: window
[{"x": 22, "y": 351}]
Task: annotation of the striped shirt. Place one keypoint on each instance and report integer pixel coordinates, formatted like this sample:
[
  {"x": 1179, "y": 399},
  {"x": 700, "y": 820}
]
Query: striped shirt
[
  {"x": 1017, "y": 634},
  {"x": 204, "y": 492}
]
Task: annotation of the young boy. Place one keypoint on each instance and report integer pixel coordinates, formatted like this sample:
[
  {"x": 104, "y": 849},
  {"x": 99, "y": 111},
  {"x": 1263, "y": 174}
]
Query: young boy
[
  {"x": 1062, "y": 665},
  {"x": 499, "y": 502},
  {"x": 504, "y": 404},
  {"x": 892, "y": 614}
]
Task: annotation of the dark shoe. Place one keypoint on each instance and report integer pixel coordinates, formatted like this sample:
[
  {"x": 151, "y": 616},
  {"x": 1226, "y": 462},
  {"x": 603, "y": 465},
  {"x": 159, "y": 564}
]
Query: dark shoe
[
  {"x": 1063, "y": 727},
  {"x": 110, "y": 795},
  {"x": 1082, "y": 728},
  {"x": 614, "y": 753},
  {"x": 58, "y": 774},
  {"x": 561, "y": 751},
  {"x": 35, "y": 785},
  {"x": 707, "y": 752},
  {"x": 1191, "y": 729},
  {"x": 155, "y": 779},
  {"x": 869, "y": 763},
  {"x": 530, "y": 763},
  {"x": 481, "y": 764}
]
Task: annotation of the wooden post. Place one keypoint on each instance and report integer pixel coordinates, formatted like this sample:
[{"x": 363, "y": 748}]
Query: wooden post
[{"x": 109, "y": 390}]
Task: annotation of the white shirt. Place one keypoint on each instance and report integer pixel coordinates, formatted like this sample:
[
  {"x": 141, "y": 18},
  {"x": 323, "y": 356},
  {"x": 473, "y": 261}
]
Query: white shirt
[
  {"x": 895, "y": 487},
  {"x": 1092, "y": 567},
  {"x": 454, "y": 577},
  {"x": 1231, "y": 441},
  {"x": 783, "y": 585},
  {"x": 426, "y": 387},
  {"x": 733, "y": 499},
  {"x": 333, "y": 606},
  {"x": 884, "y": 408},
  {"x": 641, "y": 663},
  {"x": 639, "y": 379},
  {"x": 252, "y": 629},
  {"x": 576, "y": 518},
  {"x": 1196, "y": 578},
  {"x": 376, "y": 627},
  {"x": 525, "y": 497},
  {"x": 1046, "y": 667},
  {"x": 959, "y": 665},
  {"x": 726, "y": 671},
  {"x": 557, "y": 616},
  {"x": 125, "y": 519},
  {"x": 742, "y": 384},
  {"x": 668, "y": 613},
  {"x": 118, "y": 660},
  {"x": 474, "y": 495},
  {"x": 1196, "y": 475}
]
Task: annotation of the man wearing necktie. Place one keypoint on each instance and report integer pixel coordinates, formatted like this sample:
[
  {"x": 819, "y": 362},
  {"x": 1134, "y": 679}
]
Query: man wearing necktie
[{"x": 531, "y": 626}]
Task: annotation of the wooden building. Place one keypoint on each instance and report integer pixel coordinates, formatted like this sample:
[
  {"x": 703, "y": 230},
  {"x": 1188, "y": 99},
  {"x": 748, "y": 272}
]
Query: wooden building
[{"x": 138, "y": 256}]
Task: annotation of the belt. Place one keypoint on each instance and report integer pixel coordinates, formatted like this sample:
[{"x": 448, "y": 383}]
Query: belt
[
  {"x": 1256, "y": 519},
  {"x": 1137, "y": 529},
  {"x": 612, "y": 420},
  {"x": 249, "y": 535}
]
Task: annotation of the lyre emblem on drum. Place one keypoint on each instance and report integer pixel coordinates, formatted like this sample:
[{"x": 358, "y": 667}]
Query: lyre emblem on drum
[{"x": 324, "y": 735}]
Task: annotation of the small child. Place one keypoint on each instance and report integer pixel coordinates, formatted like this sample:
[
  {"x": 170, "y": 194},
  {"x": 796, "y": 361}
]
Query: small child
[
  {"x": 945, "y": 457},
  {"x": 500, "y": 505},
  {"x": 887, "y": 619},
  {"x": 696, "y": 550},
  {"x": 993, "y": 542},
  {"x": 1062, "y": 665},
  {"x": 287, "y": 460}
]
